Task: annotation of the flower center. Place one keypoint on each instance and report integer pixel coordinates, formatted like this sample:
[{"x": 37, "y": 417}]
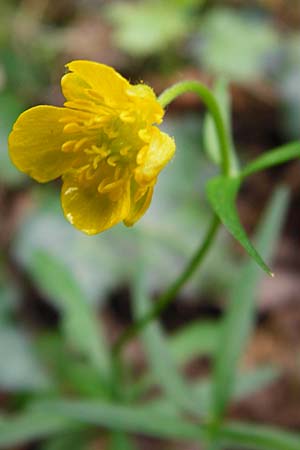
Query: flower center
[{"x": 105, "y": 147}]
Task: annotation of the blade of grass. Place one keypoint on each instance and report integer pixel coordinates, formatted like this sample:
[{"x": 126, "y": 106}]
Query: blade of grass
[
  {"x": 163, "y": 367},
  {"x": 194, "y": 340},
  {"x": 258, "y": 437},
  {"x": 80, "y": 324},
  {"x": 142, "y": 420},
  {"x": 32, "y": 426},
  {"x": 246, "y": 384},
  {"x": 221, "y": 194},
  {"x": 120, "y": 441},
  {"x": 273, "y": 158},
  {"x": 240, "y": 315}
]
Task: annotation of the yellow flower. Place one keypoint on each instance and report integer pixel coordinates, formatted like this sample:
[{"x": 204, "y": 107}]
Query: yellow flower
[{"x": 103, "y": 143}]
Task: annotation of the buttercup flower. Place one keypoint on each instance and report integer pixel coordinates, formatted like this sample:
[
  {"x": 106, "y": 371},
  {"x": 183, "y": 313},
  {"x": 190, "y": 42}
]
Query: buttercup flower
[{"x": 103, "y": 143}]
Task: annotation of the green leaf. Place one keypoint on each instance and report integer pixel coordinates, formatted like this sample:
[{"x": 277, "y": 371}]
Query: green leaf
[
  {"x": 273, "y": 158},
  {"x": 120, "y": 441},
  {"x": 221, "y": 193},
  {"x": 258, "y": 437},
  {"x": 195, "y": 339},
  {"x": 130, "y": 419},
  {"x": 67, "y": 368},
  {"x": 162, "y": 365},
  {"x": 10, "y": 293},
  {"x": 240, "y": 316},
  {"x": 245, "y": 385},
  {"x": 10, "y": 108},
  {"x": 74, "y": 440},
  {"x": 20, "y": 369},
  {"x": 147, "y": 27},
  {"x": 152, "y": 422},
  {"x": 224, "y": 47},
  {"x": 31, "y": 426},
  {"x": 80, "y": 323},
  {"x": 210, "y": 137}
]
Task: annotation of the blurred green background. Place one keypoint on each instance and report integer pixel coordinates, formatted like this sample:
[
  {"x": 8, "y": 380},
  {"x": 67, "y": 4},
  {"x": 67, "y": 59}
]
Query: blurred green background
[{"x": 255, "y": 45}]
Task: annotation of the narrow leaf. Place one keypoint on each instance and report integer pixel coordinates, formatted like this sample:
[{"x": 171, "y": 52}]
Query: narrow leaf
[
  {"x": 248, "y": 436},
  {"x": 210, "y": 137},
  {"x": 195, "y": 339},
  {"x": 221, "y": 193},
  {"x": 152, "y": 422},
  {"x": 273, "y": 158},
  {"x": 244, "y": 385},
  {"x": 120, "y": 441},
  {"x": 79, "y": 321},
  {"x": 163, "y": 367},
  {"x": 240, "y": 316},
  {"x": 32, "y": 426},
  {"x": 130, "y": 419}
]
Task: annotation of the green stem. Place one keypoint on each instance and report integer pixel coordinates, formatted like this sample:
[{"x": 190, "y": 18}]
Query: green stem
[
  {"x": 165, "y": 299},
  {"x": 212, "y": 105},
  {"x": 227, "y": 169}
]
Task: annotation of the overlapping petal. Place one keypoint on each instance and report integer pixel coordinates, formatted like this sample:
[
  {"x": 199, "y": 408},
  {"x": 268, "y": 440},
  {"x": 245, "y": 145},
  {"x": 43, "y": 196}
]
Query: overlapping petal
[
  {"x": 103, "y": 143},
  {"x": 90, "y": 211},
  {"x": 139, "y": 206},
  {"x": 146, "y": 102},
  {"x": 152, "y": 158},
  {"x": 103, "y": 80},
  {"x": 36, "y": 140}
]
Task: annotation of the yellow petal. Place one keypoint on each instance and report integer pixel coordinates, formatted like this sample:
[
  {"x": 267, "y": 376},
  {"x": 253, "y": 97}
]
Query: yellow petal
[
  {"x": 138, "y": 208},
  {"x": 102, "y": 79},
  {"x": 153, "y": 158},
  {"x": 91, "y": 211},
  {"x": 146, "y": 102},
  {"x": 36, "y": 140}
]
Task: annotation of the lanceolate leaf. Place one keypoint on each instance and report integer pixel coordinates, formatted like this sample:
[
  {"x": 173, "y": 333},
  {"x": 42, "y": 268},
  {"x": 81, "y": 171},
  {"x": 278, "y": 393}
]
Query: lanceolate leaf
[
  {"x": 135, "y": 419},
  {"x": 210, "y": 137},
  {"x": 273, "y": 158},
  {"x": 80, "y": 324},
  {"x": 221, "y": 193},
  {"x": 163, "y": 366},
  {"x": 33, "y": 425},
  {"x": 240, "y": 316}
]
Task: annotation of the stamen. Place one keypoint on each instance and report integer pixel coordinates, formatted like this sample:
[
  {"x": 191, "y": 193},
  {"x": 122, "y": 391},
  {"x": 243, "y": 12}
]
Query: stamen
[
  {"x": 127, "y": 117},
  {"x": 109, "y": 187},
  {"x": 117, "y": 173},
  {"x": 90, "y": 173},
  {"x": 145, "y": 135},
  {"x": 72, "y": 127},
  {"x": 125, "y": 150},
  {"x": 111, "y": 133},
  {"x": 80, "y": 143},
  {"x": 142, "y": 154},
  {"x": 112, "y": 160},
  {"x": 81, "y": 172},
  {"x": 96, "y": 122},
  {"x": 96, "y": 161},
  {"x": 68, "y": 146},
  {"x": 139, "y": 193}
]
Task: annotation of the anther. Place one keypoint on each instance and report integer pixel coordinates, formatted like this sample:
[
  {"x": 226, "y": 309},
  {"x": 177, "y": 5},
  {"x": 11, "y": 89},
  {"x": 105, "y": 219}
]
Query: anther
[
  {"x": 112, "y": 160},
  {"x": 145, "y": 135},
  {"x": 68, "y": 146},
  {"x": 72, "y": 127},
  {"x": 127, "y": 117},
  {"x": 80, "y": 143}
]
